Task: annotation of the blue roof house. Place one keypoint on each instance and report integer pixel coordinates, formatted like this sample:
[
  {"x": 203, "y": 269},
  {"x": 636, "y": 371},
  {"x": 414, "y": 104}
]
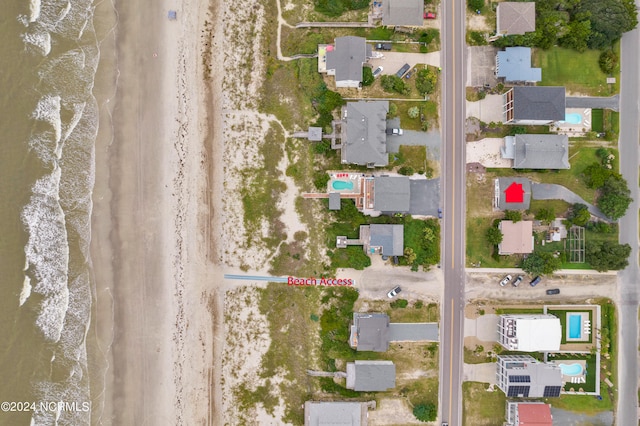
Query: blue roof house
[{"x": 514, "y": 65}]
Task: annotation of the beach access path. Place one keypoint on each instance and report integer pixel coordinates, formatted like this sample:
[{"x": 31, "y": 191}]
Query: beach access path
[{"x": 154, "y": 260}]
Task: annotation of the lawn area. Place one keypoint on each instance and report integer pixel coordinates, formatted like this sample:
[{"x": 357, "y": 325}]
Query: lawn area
[
  {"x": 560, "y": 207},
  {"x": 578, "y": 72},
  {"x": 482, "y": 408},
  {"x": 429, "y": 109},
  {"x": 411, "y": 156},
  {"x": 596, "y": 120}
]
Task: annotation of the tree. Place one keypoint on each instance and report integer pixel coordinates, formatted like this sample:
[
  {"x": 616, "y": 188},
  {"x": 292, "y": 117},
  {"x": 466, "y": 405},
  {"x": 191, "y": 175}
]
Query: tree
[
  {"x": 426, "y": 81},
  {"x": 579, "y": 214},
  {"x": 475, "y": 4},
  {"x": 425, "y": 412},
  {"x": 513, "y": 215},
  {"x": 546, "y": 215},
  {"x": 609, "y": 20},
  {"x": 606, "y": 255},
  {"x": 393, "y": 110},
  {"x": 413, "y": 112},
  {"x": 596, "y": 175},
  {"x": 615, "y": 198},
  {"x": 406, "y": 170},
  {"x": 577, "y": 34},
  {"x": 494, "y": 236},
  {"x": 367, "y": 76},
  {"x": 541, "y": 263},
  {"x": 608, "y": 61},
  {"x": 320, "y": 180},
  {"x": 393, "y": 83}
]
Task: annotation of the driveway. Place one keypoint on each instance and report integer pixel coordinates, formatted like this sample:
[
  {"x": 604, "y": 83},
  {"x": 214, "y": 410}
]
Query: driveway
[
  {"x": 611, "y": 102},
  {"x": 430, "y": 139},
  {"x": 489, "y": 109},
  {"x": 418, "y": 332},
  {"x": 487, "y": 153},
  {"x": 391, "y": 62},
  {"x": 547, "y": 191},
  {"x": 485, "y": 327},
  {"x": 483, "y": 373},
  {"x": 481, "y": 64}
]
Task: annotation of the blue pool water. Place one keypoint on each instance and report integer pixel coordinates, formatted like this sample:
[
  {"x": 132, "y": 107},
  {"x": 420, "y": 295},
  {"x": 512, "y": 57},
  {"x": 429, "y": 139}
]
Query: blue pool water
[
  {"x": 575, "y": 326},
  {"x": 573, "y": 118},
  {"x": 571, "y": 369},
  {"x": 342, "y": 184}
]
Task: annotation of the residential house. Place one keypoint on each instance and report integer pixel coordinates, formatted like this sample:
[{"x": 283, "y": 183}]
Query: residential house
[
  {"x": 402, "y": 12},
  {"x": 512, "y": 193},
  {"x": 529, "y": 333},
  {"x": 391, "y": 194},
  {"x": 515, "y": 18},
  {"x": 345, "y": 60},
  {"x": 514, "y": 65},
  {"x": 549, "y": 152},
  {"x": 371, "y": 376},
  {"x": 374, "y": 332},
  {"x": 517, "y": 237},
  {"x": 522, "y": 376},
  {"x": 335, "y": 413},
  {"x": 534, "y": 105},
  {"x": 383, "y": 239},
  {"x": 529, "y": 414},
  {"x": 364, "y": 137}
]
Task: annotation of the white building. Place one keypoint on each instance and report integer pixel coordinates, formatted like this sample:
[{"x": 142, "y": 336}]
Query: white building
[{"x": 529, "y": 333}]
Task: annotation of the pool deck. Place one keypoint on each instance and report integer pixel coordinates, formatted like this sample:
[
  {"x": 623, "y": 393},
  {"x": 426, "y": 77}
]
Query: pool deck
[
  {"x": 575, "y": 129},
  {"x": 585, "y": 327},
  {"x": 573, "y": 379}
]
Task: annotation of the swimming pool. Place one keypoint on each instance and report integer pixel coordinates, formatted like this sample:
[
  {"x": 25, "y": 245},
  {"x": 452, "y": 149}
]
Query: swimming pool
[
  {"x": 342, "y": 184},
  {"x": 571, "y": 369},
  {"x": 573, "y": 118},
  {"x": 575, "y": 326}
]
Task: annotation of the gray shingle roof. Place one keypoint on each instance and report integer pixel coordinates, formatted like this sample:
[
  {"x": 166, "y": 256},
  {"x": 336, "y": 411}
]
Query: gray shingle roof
[
  {"x": 541, "y": 152},
  {"x": 391, "y": 194},
  {"x": 503, "y": 184},
  {"x": 366, "y": 139},
  {"x": 516, "y": 17},
  {"x": 372, "y": 331},
  {"x": 514, "y": 64},
  {"x": 371, "y": 376},
  {"x": 347, "y": 57},
  {"x": 335, "y": 413},
  {"x": 402, "y": 12},
  {"x": 538, "y": 103},
  {"x": 389, "y": 237}
]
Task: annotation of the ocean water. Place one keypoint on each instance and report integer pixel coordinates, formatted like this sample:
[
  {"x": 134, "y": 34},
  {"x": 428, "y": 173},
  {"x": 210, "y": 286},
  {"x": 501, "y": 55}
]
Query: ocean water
[{"x": 48, "y": 127}]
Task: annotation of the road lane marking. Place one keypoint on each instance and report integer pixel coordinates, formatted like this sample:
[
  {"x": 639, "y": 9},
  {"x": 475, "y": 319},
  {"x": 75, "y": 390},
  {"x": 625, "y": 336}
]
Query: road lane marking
[
  {"x": 453, "y": 140},
  {"x": 451, "y": 363}
]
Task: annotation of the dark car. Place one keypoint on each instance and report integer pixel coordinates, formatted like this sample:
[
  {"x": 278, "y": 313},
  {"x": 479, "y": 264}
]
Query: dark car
[
  {"x": 394, "y": 292},
  {"x": 517, "y": 281},
  {"x": 383, "y": 46},
  {"x": 403, "y": 70},
  {"x": 439, "y": 213},
  {"x": 534, "y": 282},
  {"x": 553, "y": 291}
]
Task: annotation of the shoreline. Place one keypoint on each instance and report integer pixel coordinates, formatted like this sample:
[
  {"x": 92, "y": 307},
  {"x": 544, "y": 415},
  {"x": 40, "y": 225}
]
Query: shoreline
[{"x": 156, "y": 217}]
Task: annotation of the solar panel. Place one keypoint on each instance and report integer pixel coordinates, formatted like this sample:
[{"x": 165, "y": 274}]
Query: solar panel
[
  {"x": 515, "y": 391},
  {"x": 551, "y": 391},
  {"x": 520, "y": 379}
]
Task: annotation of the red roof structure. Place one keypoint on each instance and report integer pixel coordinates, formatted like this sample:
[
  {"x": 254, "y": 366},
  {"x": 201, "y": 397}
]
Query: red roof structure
[
  {"x": 534, "y": 415},
  {"x": 514, "y": 193}
]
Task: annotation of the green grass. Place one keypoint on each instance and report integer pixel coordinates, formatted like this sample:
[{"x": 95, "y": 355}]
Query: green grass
[
  {"x": 482, "y": 408},
  {"x": 560, "y": 207},
  {"x": 596, "y": 120},
  {"x": 578, "y": 72},
  {"x": 501, "y": 311},
  {"x": 428, "y": 108},
  {"x": 583, "y": 403},
  {"x": 426, "y": 313}
]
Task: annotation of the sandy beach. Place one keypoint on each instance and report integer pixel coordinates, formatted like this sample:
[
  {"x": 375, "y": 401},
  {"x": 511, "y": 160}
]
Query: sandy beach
[{"x": 155, "y": 212}]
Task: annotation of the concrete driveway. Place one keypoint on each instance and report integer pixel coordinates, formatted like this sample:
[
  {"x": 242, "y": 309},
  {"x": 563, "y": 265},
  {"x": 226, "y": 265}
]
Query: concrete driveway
[
  {"x": 489, "y": 109},
  {"x": 481, "y": 64},
  {"x": 391, "y": 62},
  {"x": 430, "y": 139},
  {"x": 483, "y": 373},
  {"x": 485, "y": 327}
]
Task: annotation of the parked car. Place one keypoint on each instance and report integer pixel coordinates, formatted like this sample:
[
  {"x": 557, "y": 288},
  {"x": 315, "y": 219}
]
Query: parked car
[
  {"x": 553, "y": 291},
  {"x": 383, "y": 46},
  {"x": 429, "y": 15},
  {"x": 397, "y": 132},
  {"x": 534, "y": 282},
  {"x": 517, "y": 281},
  {"x": 394, "y": 292},
  {"x": 377, "y": 72},
  {"x": 403, "y": 70},
  {"x": 505, "y": 280},
  {"x": 439, "y": 213}
]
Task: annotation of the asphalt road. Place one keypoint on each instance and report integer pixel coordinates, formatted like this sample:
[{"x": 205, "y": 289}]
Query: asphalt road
[
  {"x": 628, "y": 279},
  {"x": 453, "y": 196}
]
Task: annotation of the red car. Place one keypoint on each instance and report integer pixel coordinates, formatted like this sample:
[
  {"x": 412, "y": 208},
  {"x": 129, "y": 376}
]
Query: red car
[{"x": 429, "y": 15}]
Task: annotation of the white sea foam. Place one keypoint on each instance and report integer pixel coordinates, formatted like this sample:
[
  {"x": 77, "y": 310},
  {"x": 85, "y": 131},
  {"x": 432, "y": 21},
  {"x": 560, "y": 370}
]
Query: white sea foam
[
  {"x": 50, "y": 319},
  {"x": 77, "y": 108},
  {"x": 34, "y": 10},
  {"x": 40, "y": 40},
  {"x": 48, "y": 109},
  {"x": 26, "y": 290}
]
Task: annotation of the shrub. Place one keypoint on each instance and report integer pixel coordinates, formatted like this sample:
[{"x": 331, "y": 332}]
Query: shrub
[
  {"x": 513, "y": 215},
  {"x": 413, "y": 112},
  {"x": 367, "y": 76},
  {"x": 400, "y": 303},
  {"x": 426, "y": 81},
  {"x": 393, "y": 83},
  {"x": 393, "y": 110},
  {"x": 608, "y": 61},
  {"x": 476, "y": 38},
  {"x": 418, "y": 305},
  {"x": 320, "y": 180},
  {"x": 406, "y": 170},
  {"x": 494, "y": 235},
  {"x": 425, "y": 412}
]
